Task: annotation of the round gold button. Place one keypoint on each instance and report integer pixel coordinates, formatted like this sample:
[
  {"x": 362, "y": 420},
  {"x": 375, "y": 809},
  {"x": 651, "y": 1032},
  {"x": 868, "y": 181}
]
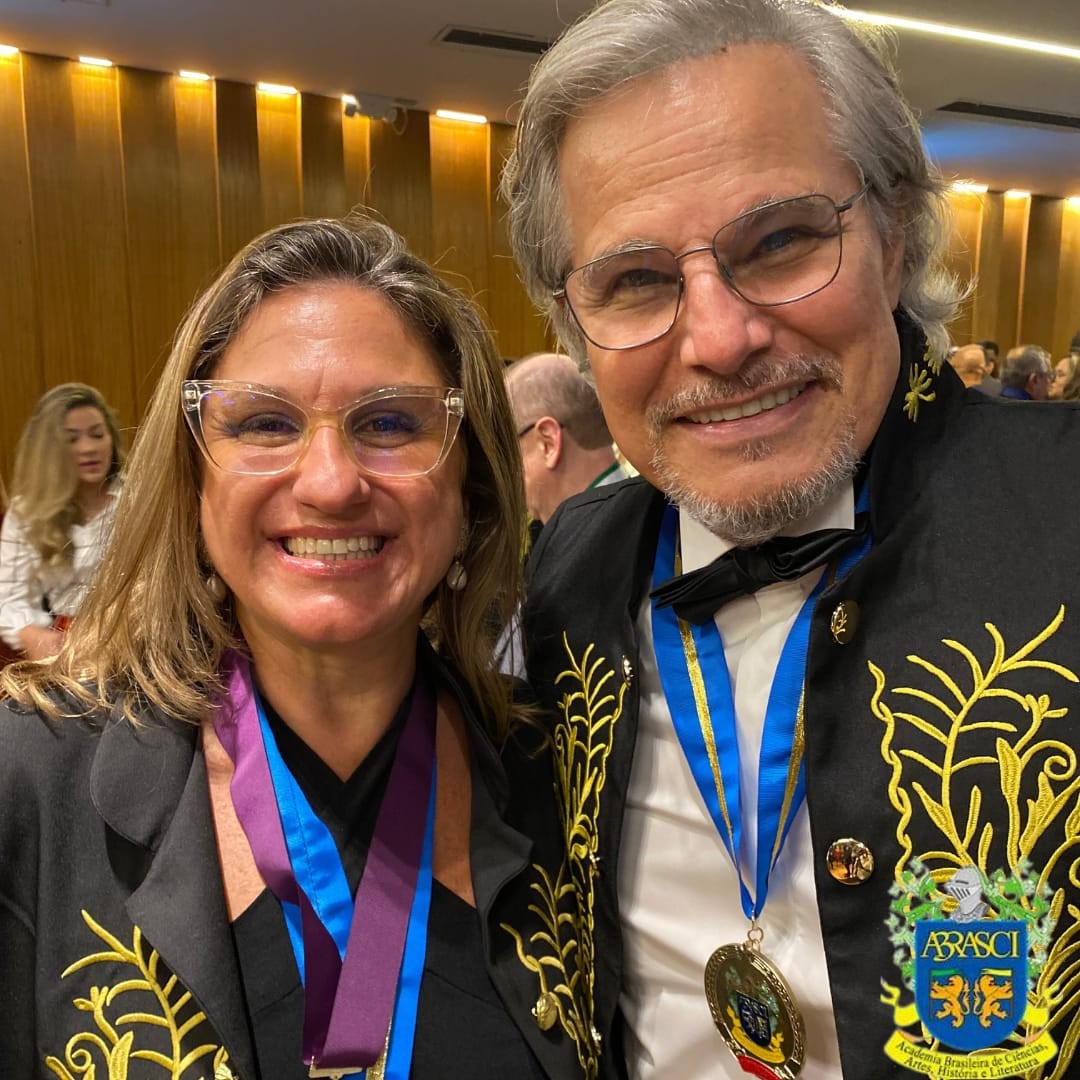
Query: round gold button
[
  {"x": 546, "y": 1011},
  {"x": 844, "y": 622},
  {"x": 851, "y": 862}
]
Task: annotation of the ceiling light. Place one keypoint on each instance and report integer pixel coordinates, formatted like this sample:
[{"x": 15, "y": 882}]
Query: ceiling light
[
  {"x": 194, "y": 76},
  {"x": 962, "y": 32},
  {"x": 350, "y": 100},
  {"x": 1016, "y": 193},
  {"x": 95, "y": 61},
  {"x": 9, "y": 50},
  {"x": 275, "y": 88},
  {"x": 1073, "y": 201},
  {"x": 465, "y": 117},
  {"x": 962, "y": 187}
]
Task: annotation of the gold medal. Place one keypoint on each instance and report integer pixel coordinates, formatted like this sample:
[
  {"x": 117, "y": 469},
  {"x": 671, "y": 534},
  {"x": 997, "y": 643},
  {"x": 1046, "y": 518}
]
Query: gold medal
[{"x": 754, "y": 1010}]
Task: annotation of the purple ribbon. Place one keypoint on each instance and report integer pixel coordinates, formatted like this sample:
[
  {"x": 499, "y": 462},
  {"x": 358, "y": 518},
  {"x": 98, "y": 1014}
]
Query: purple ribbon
[{"x": 347, "y": 1004}]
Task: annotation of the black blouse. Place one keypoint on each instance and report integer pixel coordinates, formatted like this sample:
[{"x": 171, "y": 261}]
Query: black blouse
[{"x": 462, "y": 1026}]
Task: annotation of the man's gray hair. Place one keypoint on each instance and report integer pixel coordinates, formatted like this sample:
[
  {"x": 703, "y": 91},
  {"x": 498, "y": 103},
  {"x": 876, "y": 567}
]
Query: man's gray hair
[
  {"x": 873, "y": 127},
  {"x": 1023, "y": 362}
]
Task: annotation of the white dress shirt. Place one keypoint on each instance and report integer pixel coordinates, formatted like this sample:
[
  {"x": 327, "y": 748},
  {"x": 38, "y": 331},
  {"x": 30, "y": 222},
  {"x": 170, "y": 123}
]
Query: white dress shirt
[
  {"x": 26, "y": 587},
  {"x": 678, "y": 890}
]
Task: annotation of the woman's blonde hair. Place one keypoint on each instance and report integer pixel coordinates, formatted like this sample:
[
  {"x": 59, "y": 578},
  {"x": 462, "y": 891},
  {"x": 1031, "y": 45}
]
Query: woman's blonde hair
[
  {"x": 45, "y": 482},
  {"x": 151, "y": 632}
]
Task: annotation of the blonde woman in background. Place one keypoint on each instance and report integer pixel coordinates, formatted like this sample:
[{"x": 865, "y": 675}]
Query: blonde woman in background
[
  {"x": 1064, "y": 370},
  {"x": 63, "y": 499}
]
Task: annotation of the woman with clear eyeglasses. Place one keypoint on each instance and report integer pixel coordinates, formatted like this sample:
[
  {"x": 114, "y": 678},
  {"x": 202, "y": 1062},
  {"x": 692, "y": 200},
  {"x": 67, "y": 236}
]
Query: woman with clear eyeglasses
[
  {"x": 274, "y": 813},
  {"x": 63, "y": 500}
]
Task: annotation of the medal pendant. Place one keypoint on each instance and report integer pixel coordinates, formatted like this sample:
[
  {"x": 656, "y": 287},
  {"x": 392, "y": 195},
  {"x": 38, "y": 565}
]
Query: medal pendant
[{"x": 754, "y": 1010}]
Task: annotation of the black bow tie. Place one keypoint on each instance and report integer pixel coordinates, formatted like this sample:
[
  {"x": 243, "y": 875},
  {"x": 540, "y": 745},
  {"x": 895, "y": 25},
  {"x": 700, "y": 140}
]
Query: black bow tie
[{"x": 741, "y": 571}]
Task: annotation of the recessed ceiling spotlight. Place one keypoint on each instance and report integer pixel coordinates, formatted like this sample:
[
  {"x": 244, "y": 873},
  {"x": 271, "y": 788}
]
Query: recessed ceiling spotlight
[
  {"x": 95, "y": 61},
  {"x": 963, "y": 187},
  {"x": 465, "y": 117},
  {"x": 9, "y": 50},
  {"x": 1073, "y": 201},
  {"x": 276, "y": 88},
  {"x": 194, "y": 76},
  {"x": 1017, "y": 193}
]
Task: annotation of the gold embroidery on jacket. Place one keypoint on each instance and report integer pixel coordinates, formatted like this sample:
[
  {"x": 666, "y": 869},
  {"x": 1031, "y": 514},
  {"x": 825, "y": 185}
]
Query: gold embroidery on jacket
[
  {"x": 561, "y": 954},
  {"x": 112, "y": 1048},
  {"x": 1033, "y": 777},
  {"x": 920, "y": 383}
]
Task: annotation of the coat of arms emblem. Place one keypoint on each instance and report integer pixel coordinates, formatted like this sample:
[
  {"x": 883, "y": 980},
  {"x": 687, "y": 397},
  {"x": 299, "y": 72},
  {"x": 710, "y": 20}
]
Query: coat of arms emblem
[{"x": 969, "y": 948}]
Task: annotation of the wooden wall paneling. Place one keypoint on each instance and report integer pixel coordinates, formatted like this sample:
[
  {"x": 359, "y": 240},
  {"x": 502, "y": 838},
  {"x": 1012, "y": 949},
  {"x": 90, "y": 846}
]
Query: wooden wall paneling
[
  {"x": 520, "y": 328},
  {"x": 1010, "y": 284},
  {"x": 20, "y": 351},
  {"x": 77, "y": 184},
  {"x": 356, "y": 147},
  {"x": 984, "y": 308},
  {"x": 322, "y": 156},
  {"x": 1067, "y": 314},
  {"x": 152, "y": 188},
  {"x": 963, "y": 257},
  {"x": 239, "y": 192},
  {"x": 279, "y": 156},
  {"x": 459, "y": 205},
  {"x": 199, "y": 241},
  {"x": 1041, "y": 271},
  {"x": 400, "y": 179}
]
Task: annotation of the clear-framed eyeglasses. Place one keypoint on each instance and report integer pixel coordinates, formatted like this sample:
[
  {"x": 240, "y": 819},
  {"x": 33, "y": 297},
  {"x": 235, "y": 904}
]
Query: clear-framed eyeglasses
[
  {"x": 395, "y": 431},
  {"x": 774, "y": 254}
]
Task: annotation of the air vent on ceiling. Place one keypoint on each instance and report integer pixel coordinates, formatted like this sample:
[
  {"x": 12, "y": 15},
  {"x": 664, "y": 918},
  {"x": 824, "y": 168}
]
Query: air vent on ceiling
[
  {"x": 493, "y": 39},
  {"x": 1005, "y": 112}
]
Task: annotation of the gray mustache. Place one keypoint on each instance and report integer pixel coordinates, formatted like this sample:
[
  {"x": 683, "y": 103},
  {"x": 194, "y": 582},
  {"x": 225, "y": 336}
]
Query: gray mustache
[{"x": 757, "y": 375}]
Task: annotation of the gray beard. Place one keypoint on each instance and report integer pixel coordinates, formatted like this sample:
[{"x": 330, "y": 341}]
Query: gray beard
[
  {"x": 754, "y": 520},
  {"x": 763, "y": 514}
]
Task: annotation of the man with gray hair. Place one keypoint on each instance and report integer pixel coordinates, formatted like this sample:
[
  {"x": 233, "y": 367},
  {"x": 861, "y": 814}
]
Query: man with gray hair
[
  {"x": 1027, "y": 374},
  {"x": 788, "y": 713},
  {"x": 565, "y": 442}
]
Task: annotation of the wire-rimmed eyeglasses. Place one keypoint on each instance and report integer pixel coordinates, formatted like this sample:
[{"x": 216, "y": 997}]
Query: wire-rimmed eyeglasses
[
  {"x": 396, "y": 431},
  {"x": 774, "y": 254}
]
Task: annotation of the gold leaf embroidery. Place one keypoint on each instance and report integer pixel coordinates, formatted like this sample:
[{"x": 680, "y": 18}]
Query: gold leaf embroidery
[
  {"x": 1032, "y": 781},
  {"x": 115, "y": 1052},
  {"x": 561, "y": 955},
  {"x": 919, "y": 383}
]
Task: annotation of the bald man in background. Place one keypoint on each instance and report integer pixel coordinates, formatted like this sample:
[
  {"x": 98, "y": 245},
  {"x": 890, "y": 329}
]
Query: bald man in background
[
  {"x": 565, "y": 442},
  {"x": 969, "y": 362}
]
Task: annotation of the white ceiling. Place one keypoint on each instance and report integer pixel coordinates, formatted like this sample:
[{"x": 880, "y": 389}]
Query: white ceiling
[{"x": 389, "y": 47}]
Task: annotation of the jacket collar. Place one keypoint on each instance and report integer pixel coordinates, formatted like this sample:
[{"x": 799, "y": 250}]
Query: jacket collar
[
  {"x": 149, "y": 785},
  {"x": 910, "y": 439}
]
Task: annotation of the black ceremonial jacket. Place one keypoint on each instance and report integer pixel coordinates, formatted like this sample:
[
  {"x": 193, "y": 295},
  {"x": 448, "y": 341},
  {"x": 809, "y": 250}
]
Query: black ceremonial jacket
[
  {"x": 116, "y": 953},
  {"x": 942, "y": 708}
]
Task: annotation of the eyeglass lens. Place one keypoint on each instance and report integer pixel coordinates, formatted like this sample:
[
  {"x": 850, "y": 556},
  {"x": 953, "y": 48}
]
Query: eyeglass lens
[
  {"x": 773, "y": 255},
  {"x": 246, "y": 431}
]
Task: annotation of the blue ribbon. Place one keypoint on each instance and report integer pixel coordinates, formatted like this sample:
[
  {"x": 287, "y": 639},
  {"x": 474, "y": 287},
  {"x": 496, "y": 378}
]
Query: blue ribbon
[
  {"x": 694, "y": 675},
  {"x": 318, "y": 870}
]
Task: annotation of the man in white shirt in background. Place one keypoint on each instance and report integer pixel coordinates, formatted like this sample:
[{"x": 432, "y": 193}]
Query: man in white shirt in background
[{"x": 774, "y": 769}]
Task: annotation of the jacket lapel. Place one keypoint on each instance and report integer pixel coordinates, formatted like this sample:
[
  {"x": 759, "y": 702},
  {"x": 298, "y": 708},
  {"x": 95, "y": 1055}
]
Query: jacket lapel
[{"x": 149, "y": 784}]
